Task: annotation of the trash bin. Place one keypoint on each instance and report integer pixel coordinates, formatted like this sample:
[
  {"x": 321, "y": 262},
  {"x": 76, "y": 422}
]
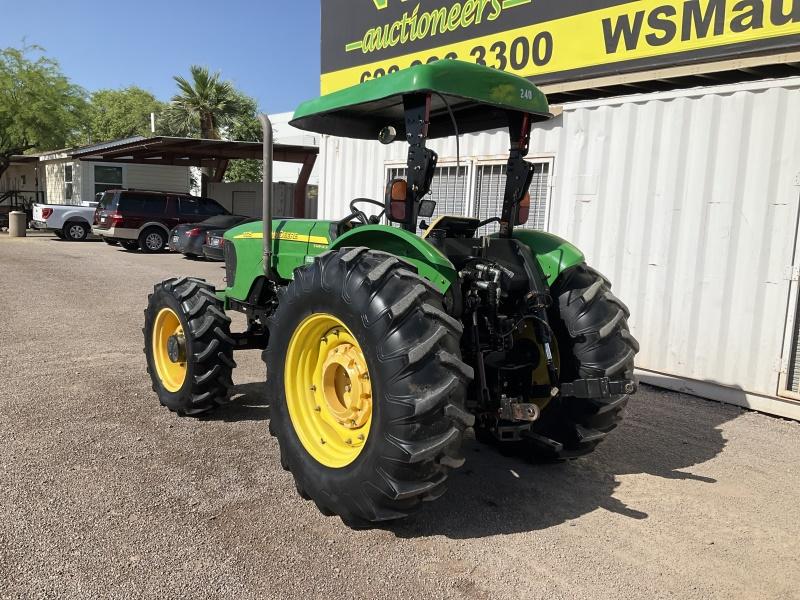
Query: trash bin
[{"x": 16, "y": 224}]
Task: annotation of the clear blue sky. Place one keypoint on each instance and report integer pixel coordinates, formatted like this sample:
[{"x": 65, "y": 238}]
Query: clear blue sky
[{"x": 269, "y": 49}]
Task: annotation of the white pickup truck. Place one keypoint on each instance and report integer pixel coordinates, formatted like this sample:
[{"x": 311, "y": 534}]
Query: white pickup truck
[{"x": 70, "y": 222}]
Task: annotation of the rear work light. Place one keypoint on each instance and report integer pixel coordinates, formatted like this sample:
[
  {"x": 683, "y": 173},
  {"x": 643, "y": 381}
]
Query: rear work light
[
  {"x": 193, "y": 233},
  {"x": 46, "y": 212}
]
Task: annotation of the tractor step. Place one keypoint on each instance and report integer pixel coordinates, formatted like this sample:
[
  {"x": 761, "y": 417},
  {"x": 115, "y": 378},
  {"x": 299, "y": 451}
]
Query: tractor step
[
  {"x": 250, "y": 340},
  {"x": 586, "y": 435},
  {"x": 544, "y": 442},
  {"x": 602, "y": 387}
]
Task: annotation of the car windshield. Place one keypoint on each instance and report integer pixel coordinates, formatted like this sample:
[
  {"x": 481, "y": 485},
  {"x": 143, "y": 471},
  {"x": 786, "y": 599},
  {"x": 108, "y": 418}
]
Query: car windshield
[
  {"x": 223, "y": 221},
  {"x": 108, "y": 201}
]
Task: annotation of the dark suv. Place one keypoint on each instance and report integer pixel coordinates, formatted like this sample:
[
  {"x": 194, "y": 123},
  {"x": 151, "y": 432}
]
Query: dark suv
[{"x": 142, "y": 220}]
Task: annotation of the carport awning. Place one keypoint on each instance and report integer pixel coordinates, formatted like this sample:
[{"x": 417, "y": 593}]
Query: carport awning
[
  {"x": 189, "y": 152},
  {"x": 193, "y": 152}
]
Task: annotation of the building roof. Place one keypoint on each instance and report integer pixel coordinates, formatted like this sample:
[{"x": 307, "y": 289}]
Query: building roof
[
  {"x": 190, "y": 152},
  {"x": 24, "y": 158},
  {"x": 110, "y": 145}
]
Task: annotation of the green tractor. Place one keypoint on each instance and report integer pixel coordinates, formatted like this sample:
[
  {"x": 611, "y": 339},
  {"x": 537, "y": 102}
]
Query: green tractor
[{"x": 383, "y": 345}]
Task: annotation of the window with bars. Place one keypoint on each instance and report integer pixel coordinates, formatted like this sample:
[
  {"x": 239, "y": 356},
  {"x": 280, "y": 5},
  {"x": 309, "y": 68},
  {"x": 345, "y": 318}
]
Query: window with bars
[
  {"x": 450, "y": 190},
  {"x": 490, "y": 185}
]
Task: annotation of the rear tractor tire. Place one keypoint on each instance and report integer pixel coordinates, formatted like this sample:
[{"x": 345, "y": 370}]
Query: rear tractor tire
[
  {"x": 188, "y": 346},
  {"x": 366, "y": 386},
  {"x": 593, "y": 341}
]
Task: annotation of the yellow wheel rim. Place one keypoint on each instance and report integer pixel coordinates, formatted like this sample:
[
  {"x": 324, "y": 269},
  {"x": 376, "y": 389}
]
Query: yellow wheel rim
[
  {"x": 328, "y": 390},
  {"x": 172, "y": 374}
]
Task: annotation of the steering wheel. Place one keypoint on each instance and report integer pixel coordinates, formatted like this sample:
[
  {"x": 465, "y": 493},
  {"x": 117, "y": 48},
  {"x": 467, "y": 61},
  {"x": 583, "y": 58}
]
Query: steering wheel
[{"x": 361, "y": 215}]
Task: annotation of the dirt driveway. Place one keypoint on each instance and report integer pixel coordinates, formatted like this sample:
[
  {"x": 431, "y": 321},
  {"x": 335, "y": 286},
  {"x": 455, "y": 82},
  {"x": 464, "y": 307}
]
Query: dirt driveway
[{"x": 105, "y": 494}]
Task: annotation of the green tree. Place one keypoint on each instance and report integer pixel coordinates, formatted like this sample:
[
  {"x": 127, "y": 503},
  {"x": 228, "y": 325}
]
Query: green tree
[
  {"x": 206, "y": 104},
  {"x": 40, "y": 109},
  {"x": 208, "y": 107},
  {"x": 115, "y": 114},
  {"x": 245, "y": 128}
]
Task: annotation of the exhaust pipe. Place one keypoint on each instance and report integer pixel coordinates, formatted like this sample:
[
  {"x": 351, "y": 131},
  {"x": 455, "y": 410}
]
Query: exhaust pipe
[{"x": 266, "y": 209}]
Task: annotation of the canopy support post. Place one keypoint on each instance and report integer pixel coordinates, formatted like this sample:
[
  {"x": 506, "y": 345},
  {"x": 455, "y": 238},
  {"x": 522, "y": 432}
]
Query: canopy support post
[
  {"x": 519, "y": 172},
  {"x": 421, "y": 160},
  {"x": 301, "y": 187}
]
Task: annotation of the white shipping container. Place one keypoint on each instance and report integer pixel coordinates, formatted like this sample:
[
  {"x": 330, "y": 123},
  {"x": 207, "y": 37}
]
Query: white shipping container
[{"x": 686, "y": 200}]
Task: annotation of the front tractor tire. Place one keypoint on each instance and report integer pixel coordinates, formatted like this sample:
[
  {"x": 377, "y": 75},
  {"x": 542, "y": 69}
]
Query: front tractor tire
[
  {"x": 366, "y": 386},
  {"x": 593, "y": 342},
  {"x": 188, "y": 346}
]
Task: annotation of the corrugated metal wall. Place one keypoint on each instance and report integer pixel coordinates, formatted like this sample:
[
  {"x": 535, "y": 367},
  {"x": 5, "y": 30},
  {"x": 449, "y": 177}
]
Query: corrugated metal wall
[{"x": 687, "y": 200}]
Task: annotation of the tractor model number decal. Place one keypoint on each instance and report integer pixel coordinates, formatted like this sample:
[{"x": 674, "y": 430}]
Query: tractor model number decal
[{"x": 288, "y": 236}]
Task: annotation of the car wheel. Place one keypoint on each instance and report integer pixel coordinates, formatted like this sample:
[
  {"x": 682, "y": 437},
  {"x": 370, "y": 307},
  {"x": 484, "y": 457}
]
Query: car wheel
[
  {"x": 76, "y": 232},
  {"x": 152, "y": 240}
]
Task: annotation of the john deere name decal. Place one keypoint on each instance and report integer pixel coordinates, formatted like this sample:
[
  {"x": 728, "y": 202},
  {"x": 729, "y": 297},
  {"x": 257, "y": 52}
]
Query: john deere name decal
[{"x": 549, "y": 41}]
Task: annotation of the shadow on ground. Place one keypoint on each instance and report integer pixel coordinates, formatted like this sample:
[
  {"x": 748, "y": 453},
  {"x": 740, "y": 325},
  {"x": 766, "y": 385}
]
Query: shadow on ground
[
  {"x": 248, "y": 403},
  {"x": 663, "y": 434}
]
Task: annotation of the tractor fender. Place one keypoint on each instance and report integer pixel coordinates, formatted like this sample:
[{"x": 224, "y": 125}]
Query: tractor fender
[
  {"x": 429, "y": 261},
  {"x": 553, "y": 254}
]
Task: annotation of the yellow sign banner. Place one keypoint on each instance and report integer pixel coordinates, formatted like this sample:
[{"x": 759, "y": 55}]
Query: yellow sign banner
[{"x": 619, "y": 34}]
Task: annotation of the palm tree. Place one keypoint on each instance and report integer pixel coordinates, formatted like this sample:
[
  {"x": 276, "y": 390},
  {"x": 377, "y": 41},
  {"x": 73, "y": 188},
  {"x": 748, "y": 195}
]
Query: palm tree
[{"x": 203, "y": 105}]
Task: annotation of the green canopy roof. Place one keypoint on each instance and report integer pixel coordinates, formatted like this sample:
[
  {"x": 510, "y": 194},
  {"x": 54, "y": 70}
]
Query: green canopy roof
[{"x": 479, "y": 96}]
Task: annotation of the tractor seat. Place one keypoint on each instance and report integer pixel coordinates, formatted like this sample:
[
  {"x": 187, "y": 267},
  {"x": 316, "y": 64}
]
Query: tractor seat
[{"x": 452, "y": 226}]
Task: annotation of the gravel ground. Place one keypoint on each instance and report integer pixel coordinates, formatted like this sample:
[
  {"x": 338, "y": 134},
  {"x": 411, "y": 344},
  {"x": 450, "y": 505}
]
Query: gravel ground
[{"x": 103, "y": 493}]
